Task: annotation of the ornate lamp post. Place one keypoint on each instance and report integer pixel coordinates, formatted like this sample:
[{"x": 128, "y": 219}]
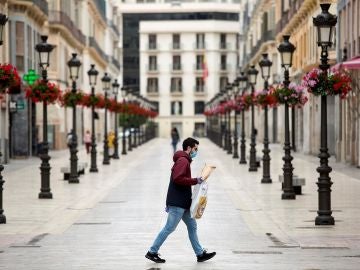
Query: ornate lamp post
[
  {"x": 252, "y": 74},
  {"x": 222, "y": 98},
  {"x": 44, "y": 49},
  {"x": 265, "y": 65},
  {"x": 93, "y": 73},
  {"x": 123, "y": 95},
  {"x": 130, "y": 97},
  {"x": 3, "y": 20},
  {"x": 325, "y": 23},
  {"x": 116, "y": 86},
  {"x": 286, "y": 50},
  {"x": 74, "y": 66},
  {"x": 229, "y": 94},
  {"x": 235, "y": 92},
  {"x": 242, "y": 87},
  {"x": 106, "y": 81}
]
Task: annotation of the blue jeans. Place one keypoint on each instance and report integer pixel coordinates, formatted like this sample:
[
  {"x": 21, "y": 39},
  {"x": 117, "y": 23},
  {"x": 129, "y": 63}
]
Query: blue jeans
[{"x": 174, "y": 217}]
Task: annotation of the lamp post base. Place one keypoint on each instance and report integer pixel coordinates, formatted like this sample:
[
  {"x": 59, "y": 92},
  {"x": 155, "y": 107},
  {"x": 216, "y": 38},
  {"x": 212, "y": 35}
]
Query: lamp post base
[
  {"x": 93, "y": 170},
  {"x": 288, "y": 196},
  {"x": 2, "y": 219},
  {"x": 325, "y": 219},
  {"x": 266, "y": 181},
  {"x": 45, "y": 195},
  {"x": 253, "y": 169}
]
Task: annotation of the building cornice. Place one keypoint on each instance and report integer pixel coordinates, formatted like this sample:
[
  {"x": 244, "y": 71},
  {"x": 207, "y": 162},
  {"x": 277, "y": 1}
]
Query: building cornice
[
  {"x": 31, "y": 9},
  {"x": 96, "y": 13}
]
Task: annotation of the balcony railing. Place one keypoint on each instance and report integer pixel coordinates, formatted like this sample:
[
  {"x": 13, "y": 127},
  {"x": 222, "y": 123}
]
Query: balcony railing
[
  {"x": 176, "y": 91},
  {"x": 101, "y": 6},
  {"x": 267, "y": 36},
  {"x": 115, "y": 62},
  {"x": 199, "y": 89},
  {"x": 42, "y": 4},
  {"x": 176, "y": 46},
  {"x": 200, "y": 46},
  {"x": 176, "y": 67},
  {"x": 152, "y": 68},
  {"x": 224, "y": 46},
  {"x": 59, "y": 17},
  {"x": 152, "y": 46},
  {"x": 95, "y": 45},
  {"x": 198, "y": 67},
  {"x": 114, "y": 27},
  {"x": 152, "y": 90}
]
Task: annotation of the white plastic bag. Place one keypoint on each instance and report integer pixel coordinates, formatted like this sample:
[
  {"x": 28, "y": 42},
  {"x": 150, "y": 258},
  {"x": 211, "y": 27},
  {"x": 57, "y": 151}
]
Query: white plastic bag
[
  {"x": 199, "y": 195},
  {"x": 199, "y": 200}
]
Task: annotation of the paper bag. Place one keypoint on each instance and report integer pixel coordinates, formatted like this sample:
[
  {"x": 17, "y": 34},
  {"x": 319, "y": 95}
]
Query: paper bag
[{"x": 206, "y": 171}]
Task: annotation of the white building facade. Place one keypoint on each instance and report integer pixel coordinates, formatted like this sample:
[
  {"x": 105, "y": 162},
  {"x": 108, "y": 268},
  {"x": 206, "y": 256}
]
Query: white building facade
[{"x": 181, "y": 56}]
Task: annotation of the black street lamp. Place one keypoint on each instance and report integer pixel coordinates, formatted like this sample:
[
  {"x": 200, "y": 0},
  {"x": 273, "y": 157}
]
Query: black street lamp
[
  {"x": 123, "y": 95},
  {"x": 325, "y": 23},
  {"x": 242, "y": 87},
  {"x": 222, "y": 99},
  {"x": 44, "y": 49},
  {"x": 93, "y": 73},
  {"x": 235, "y": 92},
  {"x": 229, "y": 95},
  {"x": 130, "y": 97},
  {"x": 265, "y": 65},
  {"x": 286, "y": 50},
  {"x": 116, "y": 86},
  {"x": 106, "y": 81},
  {"x": 252, "y": 75},
  {"x": 3, "y": 20},
  {"x": 74, "y": 66}
]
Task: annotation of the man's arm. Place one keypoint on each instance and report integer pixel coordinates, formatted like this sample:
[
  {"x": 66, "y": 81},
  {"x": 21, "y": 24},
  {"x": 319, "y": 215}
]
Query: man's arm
[{"x": 179, "y": 171}]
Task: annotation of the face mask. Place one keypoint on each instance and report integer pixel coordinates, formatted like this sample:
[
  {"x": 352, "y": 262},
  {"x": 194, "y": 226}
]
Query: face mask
[{"x": 193, "y": 154}]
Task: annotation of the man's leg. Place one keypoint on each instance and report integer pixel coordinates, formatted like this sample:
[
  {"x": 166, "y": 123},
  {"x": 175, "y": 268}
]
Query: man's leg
[
  {"x": 192, "y": 231},
  {"x": 174, "y": 217}
]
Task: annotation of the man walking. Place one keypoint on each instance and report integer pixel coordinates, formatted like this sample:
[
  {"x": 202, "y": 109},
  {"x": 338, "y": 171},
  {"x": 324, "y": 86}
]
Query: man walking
[{"x": 178, "y": 202}]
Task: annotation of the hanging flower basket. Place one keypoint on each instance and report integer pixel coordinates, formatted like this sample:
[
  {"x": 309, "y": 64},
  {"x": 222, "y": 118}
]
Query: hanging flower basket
[
  {"x": 88, "y": 100},
  {"x": 70, "y": 99},
  {"x": 265, "y": 98},
  {"x": 337, "y": 82},
  {"x": 43, "y": 92},
  {"x": 294, "y": 95},
  {"x": 9, "y": 79}
]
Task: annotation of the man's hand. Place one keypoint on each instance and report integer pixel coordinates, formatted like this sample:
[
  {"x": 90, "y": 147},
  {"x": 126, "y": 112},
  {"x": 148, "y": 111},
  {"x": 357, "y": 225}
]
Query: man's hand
[{"x": 199, "y": 180}]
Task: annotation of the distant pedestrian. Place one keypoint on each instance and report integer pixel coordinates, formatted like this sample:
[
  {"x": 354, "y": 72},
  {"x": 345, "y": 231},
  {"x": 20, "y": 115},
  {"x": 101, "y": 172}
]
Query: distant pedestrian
[
  {"x": 87, "y": 141},
  {"x": 178, "y": 202},
  {"x": 175, "y": 137}
]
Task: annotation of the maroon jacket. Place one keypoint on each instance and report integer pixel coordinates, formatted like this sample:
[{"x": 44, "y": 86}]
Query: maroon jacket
[{"x": 179, "y": 191}]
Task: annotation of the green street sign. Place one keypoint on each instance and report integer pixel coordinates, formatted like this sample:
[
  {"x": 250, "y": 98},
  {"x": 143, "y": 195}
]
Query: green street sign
[{"x": 31, "y": 77}]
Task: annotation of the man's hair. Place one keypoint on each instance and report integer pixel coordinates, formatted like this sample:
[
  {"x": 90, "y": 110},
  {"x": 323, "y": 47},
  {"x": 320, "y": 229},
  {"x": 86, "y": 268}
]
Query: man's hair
[{"x": 189, "y": 142}]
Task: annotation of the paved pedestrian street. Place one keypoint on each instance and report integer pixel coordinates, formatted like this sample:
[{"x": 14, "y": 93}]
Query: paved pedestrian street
[{"x": 110, "y": 219}]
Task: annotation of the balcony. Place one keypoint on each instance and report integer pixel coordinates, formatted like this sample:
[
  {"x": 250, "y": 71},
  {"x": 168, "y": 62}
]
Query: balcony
[
  {"x": 95, "y": 45},
  {"x": 176, "y": 92},
  {"x": 224, "y": 46},
  {"x": 60, "y": 19},
  {"x": 101, "y": 6},
  {"x": 266, "y": 36},
  {"x": 199, "y": 90},
  {"x": 176, "y": 46},
  {"x": 115, "y": 62},
  {"x": 114, "y": 27},
  {"x": 152, "y": 68},
  {"x": 153, "y": 46},
  {"x": 152, "y": 90},
  {"x": 200, "y": 46},
  {"x": 176, "y": 68},
  {"x": 41, "y": 4}
]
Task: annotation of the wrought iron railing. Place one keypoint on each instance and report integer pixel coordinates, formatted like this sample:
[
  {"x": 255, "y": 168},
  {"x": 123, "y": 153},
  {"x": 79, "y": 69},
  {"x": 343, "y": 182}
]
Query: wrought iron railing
[
  {"x": 63, "y": 19},
  {"x": 42, "y": 4},
  {"x": 95, "y": 45}
]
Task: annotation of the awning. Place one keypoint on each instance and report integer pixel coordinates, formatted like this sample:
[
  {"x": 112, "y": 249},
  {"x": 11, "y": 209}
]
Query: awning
[{"x": 351, "y": 64}]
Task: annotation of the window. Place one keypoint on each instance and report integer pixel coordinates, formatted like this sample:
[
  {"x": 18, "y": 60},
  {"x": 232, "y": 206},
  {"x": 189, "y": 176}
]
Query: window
[
  {"x": 152, "y": 85},
  {"x": 156, "y": 105},
  {"x": 200, "y": 41},
  {"x": 199, "y": 107},
  {"x": 222, "y": 41},
  {"x": 152, "y": 63},
  {"x": 199, "y": 130},
  {"x": 152, "y": 42},
  {"x": 176, "y": 62},
  {"x": 20, "y": 50},
  {"x": 176, "y": 108},
  {"x": 200, "y": 87},
  {"x": 176, "y": 41},
  {"x": 223, "y": 62},
  {"x": 223, "y": 82},
  {"x": 176, "y": 85},
  {"x": 199, "y": 62}
]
